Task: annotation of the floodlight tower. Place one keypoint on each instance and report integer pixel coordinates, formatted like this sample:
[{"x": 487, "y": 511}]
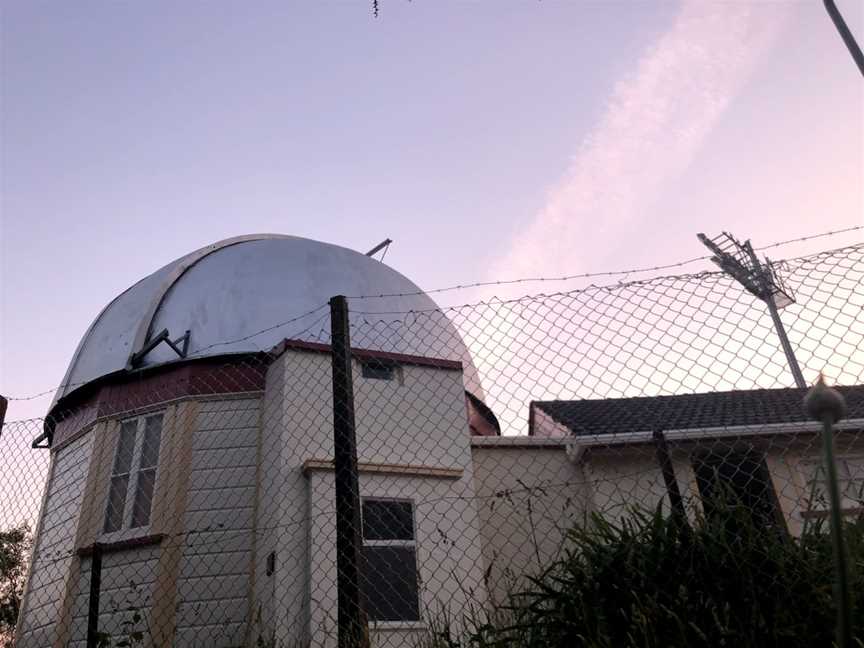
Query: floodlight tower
[{"x": 740, "y": 262}]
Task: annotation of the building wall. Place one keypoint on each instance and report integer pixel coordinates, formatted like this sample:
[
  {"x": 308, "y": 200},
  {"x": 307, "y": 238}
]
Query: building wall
[
  {"x": 417, "y": 422},
  {"x": 268, "y": 510},
  {"x": 786, "y": 459},
  {"x": 189, "y": 577},
  {"x": 126, "y": 595},
  {"x": 621, "y": 478},
  {"x": 448, "y": 553},
  {"x": 54, "y": 552},
  {"x": 529, "y": 493},
  {"x": 214, "y": 579}
]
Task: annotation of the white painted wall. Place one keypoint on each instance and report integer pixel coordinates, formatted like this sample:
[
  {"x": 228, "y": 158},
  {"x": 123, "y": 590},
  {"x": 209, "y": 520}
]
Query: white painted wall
[
  {"x": 127, "y": 589},
  {"x": 529, "y": 493},
  {"x": 268, "y": 513},
  {"x": 53, "y": 553},
  {"x": 623, "y": 477},
  {"x": 418, "y": 421},
  {"x": 214, "y": 579},
  {"x": 448, "y": 551}
]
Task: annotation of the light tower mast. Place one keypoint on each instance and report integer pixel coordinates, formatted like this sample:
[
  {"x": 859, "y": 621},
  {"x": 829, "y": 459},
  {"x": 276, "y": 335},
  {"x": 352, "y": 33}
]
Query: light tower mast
[{"x": 740, "y": 262}]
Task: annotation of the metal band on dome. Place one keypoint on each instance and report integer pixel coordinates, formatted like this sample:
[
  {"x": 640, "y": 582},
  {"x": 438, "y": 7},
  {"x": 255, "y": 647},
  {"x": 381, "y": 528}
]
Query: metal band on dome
[{"x": 143, "y": 332}]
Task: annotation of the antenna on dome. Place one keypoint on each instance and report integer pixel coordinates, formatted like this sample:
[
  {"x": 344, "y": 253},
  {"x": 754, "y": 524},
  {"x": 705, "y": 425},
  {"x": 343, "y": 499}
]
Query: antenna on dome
[{"x": 385, "y": 245}]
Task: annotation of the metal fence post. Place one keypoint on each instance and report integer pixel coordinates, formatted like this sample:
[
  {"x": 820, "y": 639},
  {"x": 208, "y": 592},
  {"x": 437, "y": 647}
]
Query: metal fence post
[
  {"x": 828, "y": 406},
  {"x": 93, "y": 604},
  {"x": 352, "y": 623},
  {"x": 668, "y": 470}
]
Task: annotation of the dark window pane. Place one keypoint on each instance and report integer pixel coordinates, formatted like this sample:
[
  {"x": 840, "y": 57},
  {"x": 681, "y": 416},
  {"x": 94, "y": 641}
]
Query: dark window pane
[
  {"x": 150, "y": 447},
  {"x": 390, "y": 583},
  {"x": 378, "y": 369},
  {"x": 738, "y": 478},
  {"x": 143, "y": 498},
  {"x": 116, "y": 501},
  {"x": 385, "y": 520},
  {"x": 125, "y": 447}
]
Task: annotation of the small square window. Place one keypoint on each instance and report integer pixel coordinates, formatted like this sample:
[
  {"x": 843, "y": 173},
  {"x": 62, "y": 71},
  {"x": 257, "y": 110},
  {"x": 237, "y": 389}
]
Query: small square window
[
  {"x": 377, "y": 369},
  {"x": 390, "y": 556}
]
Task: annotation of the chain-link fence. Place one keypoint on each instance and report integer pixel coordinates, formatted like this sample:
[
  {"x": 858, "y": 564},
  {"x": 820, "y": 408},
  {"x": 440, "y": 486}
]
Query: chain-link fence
[{"x": 511, "y": 458}]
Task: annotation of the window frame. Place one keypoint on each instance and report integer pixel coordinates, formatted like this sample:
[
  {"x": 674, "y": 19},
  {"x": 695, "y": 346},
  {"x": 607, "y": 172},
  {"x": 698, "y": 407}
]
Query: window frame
[
  {"x": 368, "y": 367},
  {"x": 813, "y": 470},
  {"x": 126, "y": 530},
  {"x": 412, "y": 544}
]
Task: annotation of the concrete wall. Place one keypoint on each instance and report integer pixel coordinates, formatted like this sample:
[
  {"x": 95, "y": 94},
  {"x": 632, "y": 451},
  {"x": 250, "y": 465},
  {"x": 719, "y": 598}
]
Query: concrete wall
[
  {"x": 53, "y": 555},
  {"x": 529, "y": 493}
]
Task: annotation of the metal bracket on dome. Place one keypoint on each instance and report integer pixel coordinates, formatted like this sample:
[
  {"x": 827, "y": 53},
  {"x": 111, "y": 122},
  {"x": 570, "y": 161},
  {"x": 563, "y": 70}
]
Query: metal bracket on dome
[
  {"x": 163, "y": 336},
  {"x": 42, "y": 442},
  {"x": 383, "y": 245}
]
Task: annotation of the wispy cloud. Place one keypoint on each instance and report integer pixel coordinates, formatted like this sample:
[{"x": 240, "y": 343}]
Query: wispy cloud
[{"x": 654, "y": 124}]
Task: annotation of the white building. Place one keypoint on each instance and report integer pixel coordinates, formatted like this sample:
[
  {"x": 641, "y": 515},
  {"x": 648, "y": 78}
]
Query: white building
[{"x": 192, "y": 440}]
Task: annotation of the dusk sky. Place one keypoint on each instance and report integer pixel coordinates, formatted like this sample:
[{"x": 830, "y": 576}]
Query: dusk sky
[{"x": 490, "y": 140}]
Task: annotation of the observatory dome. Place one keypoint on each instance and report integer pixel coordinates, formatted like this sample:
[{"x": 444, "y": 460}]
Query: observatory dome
[{"x": 246, "y": 294}]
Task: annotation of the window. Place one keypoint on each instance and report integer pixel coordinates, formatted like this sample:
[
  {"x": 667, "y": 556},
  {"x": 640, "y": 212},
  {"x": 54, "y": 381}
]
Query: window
[
  {"x": 390, "y": 553},
  {"x": 378, "y": 369},
  {"x": 133, "y": 476},
  {"x": 742, "y": 476},
  {"x": 850, "y": 480}
]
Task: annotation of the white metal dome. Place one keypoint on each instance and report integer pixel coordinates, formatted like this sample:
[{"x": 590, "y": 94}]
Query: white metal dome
[{"x": 248, "y": 293}]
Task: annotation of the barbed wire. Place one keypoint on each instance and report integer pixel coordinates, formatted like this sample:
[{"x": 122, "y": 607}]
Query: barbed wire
[
  {"x": 620, "y": 285},
  {"x": 495, "y": 301},
  {"x": 591, "y": 275}
]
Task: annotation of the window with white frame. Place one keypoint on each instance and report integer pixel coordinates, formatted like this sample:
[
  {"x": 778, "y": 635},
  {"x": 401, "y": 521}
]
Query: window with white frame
[
  {"x": 390, "y": 557},
  {"x": 133, "y": 475},
  {"x": 850, "y": 480}
]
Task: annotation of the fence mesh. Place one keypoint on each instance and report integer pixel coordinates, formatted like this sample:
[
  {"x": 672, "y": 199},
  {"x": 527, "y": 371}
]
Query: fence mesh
[{"x": 512, "y": 456}]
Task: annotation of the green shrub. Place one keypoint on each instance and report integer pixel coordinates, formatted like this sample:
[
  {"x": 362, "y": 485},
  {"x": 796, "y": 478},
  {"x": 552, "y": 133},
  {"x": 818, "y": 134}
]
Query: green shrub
[{"x": 650, "y": 581}]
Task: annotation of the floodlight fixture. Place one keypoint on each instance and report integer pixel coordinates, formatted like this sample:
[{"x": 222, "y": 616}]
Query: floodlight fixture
[{"x": 760, "y": 279}]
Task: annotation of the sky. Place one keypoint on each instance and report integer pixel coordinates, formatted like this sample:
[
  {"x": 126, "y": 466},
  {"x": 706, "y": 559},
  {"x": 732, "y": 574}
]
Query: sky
[{"x": 489, "y": 140}]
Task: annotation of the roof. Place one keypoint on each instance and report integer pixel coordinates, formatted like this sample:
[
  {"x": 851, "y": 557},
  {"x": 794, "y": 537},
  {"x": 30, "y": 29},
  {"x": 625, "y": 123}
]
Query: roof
[
  {"x": 688, "y": 411},
  {"x": 245, "y": 295},
  {"x": 366, "y": 355}
]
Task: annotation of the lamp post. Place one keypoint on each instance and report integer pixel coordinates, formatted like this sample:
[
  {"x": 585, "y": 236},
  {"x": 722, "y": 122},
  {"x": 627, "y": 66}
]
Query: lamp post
[
  {"x": 827, "y": 406},
  {"x": 845, "y": 34}
]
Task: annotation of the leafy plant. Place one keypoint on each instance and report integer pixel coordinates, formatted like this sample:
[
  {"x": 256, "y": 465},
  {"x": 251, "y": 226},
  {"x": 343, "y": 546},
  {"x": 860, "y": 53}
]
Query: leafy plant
[
  {"x": 14, "y": 549},
  {"x": 650, "y": 580}
]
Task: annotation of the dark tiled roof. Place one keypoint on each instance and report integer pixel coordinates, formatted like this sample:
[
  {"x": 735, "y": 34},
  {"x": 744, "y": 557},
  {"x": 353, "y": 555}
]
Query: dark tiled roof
[{"x": 687, "y": 411}]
